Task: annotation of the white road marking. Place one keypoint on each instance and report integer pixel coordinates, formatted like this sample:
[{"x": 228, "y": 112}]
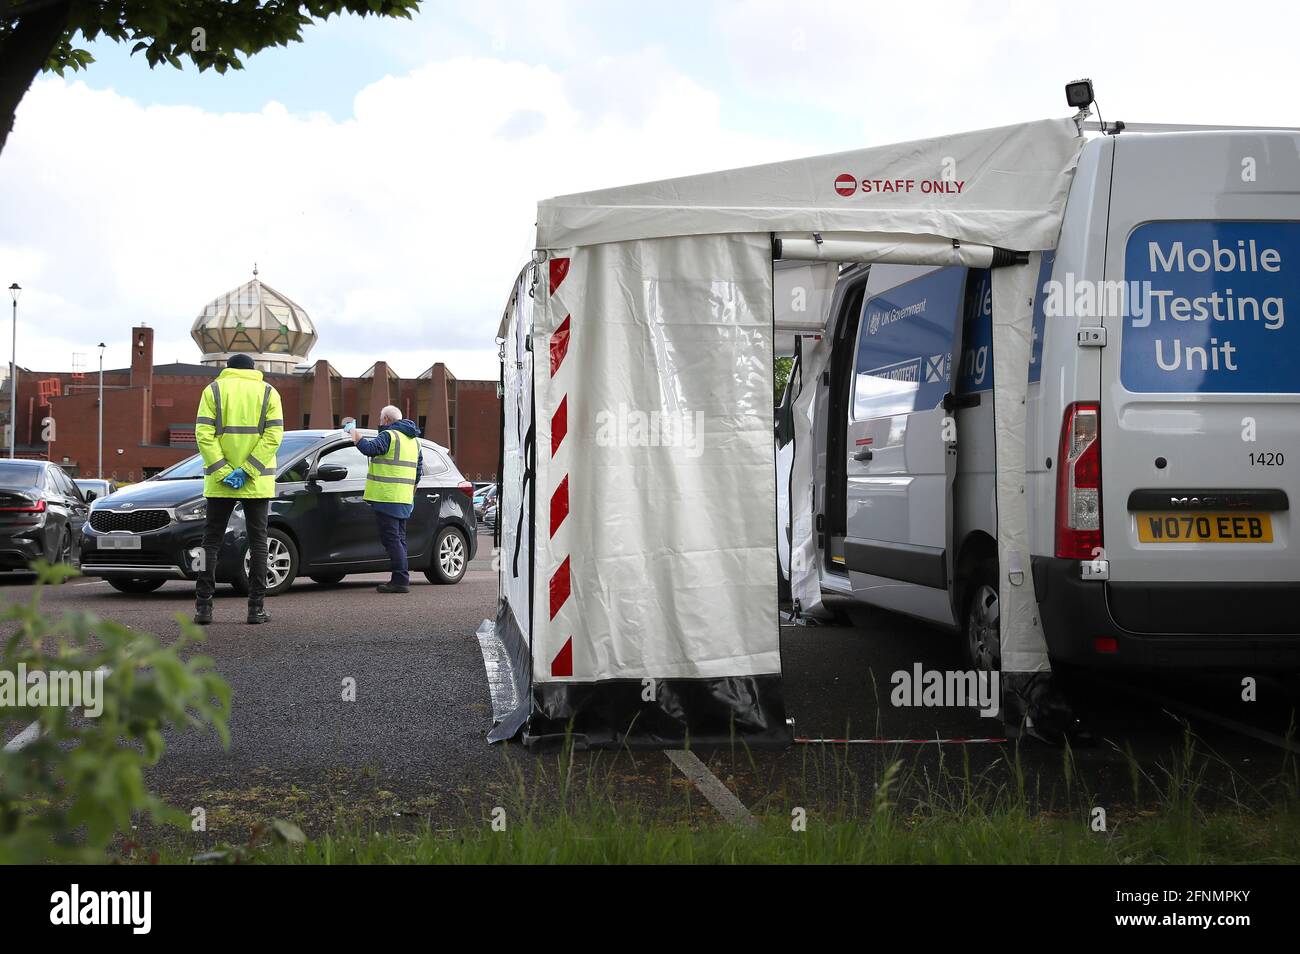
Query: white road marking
[
  {"x": 24, "y": 738},
  {"x": 718, "y": 795},
  {"x": 33, "y": 731}
]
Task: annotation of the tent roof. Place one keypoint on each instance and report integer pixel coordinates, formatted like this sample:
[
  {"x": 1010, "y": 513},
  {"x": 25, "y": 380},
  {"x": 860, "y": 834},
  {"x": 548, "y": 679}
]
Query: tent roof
[{"x": 1004, "y": 187}]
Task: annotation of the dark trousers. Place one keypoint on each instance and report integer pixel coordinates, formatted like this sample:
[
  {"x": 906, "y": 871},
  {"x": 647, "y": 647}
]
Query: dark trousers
[
  {"x": 392, "y": 532},
  {"x": 214, "y": 531}
]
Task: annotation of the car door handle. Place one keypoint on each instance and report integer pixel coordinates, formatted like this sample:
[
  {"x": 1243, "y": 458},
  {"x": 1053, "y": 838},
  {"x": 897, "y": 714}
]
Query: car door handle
[{"x": 864, "y": 454}]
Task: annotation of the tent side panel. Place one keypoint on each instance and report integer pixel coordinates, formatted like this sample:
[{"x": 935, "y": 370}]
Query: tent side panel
[
  {"x": 1024, "y": 647},
  {"x": 656, "y": 601},
  {"x": 510, "y": 662}
]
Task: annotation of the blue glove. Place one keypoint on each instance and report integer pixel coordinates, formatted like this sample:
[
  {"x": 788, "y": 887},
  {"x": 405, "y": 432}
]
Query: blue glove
[{"x": 235, "y": 479}]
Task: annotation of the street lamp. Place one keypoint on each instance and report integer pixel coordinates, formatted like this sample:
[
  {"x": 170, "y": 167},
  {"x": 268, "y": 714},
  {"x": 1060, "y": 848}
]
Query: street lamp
[
  {"x": 101, "y": 410},
  {"x": 14, "y": 291}
]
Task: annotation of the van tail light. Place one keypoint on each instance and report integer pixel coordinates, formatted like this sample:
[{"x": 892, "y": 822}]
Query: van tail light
[
  {"x": 1078, "y": 483},
  {"x": 36, "y": 507},
  {"x": 466, "y": 488}
]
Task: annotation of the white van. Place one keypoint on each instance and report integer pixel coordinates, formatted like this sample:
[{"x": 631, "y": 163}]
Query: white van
[{"x": 1163, "y": 432}]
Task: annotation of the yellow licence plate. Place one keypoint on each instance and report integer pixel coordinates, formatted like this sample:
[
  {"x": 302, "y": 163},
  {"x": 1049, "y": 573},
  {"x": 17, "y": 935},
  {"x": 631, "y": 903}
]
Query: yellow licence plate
[{"x": 1173, "y": 527}]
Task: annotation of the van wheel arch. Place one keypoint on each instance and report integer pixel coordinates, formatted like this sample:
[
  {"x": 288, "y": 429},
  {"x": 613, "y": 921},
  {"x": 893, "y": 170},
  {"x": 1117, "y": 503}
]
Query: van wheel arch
[
  {"x": 976, "y": 569},
  {"x": 977, "y": 551}
]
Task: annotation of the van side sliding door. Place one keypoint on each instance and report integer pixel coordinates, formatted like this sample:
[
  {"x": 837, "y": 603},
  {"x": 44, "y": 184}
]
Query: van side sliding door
[{"x": 899, "y": 442}]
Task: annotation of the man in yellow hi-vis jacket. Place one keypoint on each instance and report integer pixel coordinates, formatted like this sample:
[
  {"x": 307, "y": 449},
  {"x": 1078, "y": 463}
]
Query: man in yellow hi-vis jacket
[
  {"x": 239, "y": 427},
  {"x": 391, "y": 479}
]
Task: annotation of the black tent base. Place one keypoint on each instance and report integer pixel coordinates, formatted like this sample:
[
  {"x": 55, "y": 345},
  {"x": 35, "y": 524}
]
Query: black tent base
[{"x": 660, "y": 714}]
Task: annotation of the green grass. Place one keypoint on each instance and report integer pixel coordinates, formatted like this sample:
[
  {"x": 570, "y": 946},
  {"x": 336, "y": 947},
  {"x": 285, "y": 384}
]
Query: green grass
[
  {"x": 569, "y": 814},
  {"x": 1009, "y": 838}
]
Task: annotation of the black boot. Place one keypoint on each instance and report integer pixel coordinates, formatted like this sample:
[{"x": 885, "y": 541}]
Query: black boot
[
  {"x": 257, "y": 613},
  {"x": 1034, "y": 704},
  {"x": 203, "y": 612}
]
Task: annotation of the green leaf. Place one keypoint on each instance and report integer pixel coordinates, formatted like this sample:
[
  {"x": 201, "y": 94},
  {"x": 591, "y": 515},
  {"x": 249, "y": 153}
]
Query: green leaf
[{"x": 65, "y": 796}]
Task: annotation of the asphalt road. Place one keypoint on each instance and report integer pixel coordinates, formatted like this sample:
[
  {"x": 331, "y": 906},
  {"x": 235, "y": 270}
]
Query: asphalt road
[
  {"x": 416, "y": 727},
  {"x": 412, "y": 744}
]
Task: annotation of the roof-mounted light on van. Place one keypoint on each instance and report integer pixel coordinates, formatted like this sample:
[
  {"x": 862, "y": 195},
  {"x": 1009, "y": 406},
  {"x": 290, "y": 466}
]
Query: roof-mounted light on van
[{"x": 1078, "y": 94}]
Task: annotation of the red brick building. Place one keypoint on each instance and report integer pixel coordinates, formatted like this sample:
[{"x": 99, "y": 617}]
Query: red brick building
[{"x": 149, "y": 411}]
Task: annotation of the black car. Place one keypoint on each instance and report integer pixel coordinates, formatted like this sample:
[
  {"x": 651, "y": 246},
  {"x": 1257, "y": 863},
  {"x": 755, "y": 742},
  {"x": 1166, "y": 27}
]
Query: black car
[
  {"x": 319, "y": 525},
  {"x": 41, "y": 514}
]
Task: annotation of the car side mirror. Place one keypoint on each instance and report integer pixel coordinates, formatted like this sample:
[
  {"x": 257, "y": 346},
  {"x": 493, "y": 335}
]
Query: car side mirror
[
  {"x": 329, "y": 473},
  {"x": 90, "y": 495}
]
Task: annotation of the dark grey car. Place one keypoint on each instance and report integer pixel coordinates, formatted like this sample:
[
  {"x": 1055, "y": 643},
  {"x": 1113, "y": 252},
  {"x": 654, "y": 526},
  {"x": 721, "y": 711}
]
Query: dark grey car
[{"x": 41, "y": 514}]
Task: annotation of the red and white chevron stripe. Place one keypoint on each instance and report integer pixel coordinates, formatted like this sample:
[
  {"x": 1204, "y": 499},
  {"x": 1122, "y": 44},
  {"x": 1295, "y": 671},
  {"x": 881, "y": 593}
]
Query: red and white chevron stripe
[{"x": 560, "y": 583}]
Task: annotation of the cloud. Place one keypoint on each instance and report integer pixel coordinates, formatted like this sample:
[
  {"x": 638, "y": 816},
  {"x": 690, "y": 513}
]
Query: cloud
[
  {"x": 400, "y": 224},
  {"x": 913, "y": 70},
  {"x": 399, "y": 229}
]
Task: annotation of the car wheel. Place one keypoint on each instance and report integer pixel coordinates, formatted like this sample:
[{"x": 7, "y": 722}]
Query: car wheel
[
  {"x": 135, "y": 584},
  {"x": 281, "y": 564},
  {"x": 450, "y": 557},
  {"x": 64, "y": 554},
  {"x": 983, "y": 642},
  {"x": 327, "y": 579}
]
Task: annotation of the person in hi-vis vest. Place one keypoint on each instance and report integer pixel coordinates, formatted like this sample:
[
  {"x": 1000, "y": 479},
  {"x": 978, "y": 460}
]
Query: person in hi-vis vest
[
  {"x": 239, "y": 428},
  {"x": 390, "y": 487}
]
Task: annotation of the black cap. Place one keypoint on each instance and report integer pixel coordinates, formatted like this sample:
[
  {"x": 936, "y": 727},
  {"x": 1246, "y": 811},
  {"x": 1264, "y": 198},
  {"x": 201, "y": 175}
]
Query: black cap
[{"x": 241, "y": 361}]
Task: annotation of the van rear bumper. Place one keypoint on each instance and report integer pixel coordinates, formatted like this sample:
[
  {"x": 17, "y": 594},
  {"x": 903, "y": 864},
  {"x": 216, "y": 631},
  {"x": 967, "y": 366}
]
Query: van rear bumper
[{"x": 1199, "y": 628}]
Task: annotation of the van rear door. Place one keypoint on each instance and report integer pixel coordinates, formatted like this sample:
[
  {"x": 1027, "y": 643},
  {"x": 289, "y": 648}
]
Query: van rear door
[{"x": 1200, "y": 408}]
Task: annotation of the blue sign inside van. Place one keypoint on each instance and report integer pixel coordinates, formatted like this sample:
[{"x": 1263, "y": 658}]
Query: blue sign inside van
[
  {"x": 1204, "y": 307},
  {"x": 904, "y": 357},
  {"x": 976, "y": 373}
]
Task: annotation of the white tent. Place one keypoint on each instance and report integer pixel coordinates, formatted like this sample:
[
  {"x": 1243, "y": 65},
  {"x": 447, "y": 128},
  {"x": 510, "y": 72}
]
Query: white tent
[{"x": 638, "y": 598}]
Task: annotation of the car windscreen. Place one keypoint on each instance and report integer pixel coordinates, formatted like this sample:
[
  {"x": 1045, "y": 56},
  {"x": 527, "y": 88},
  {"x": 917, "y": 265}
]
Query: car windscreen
[
  {"x": 191, "y": 467},
  {"x": 19, "y": 475}
]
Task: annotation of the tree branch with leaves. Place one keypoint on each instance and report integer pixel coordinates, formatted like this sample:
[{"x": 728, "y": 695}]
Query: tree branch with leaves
[{"x": 38, "y": 35}]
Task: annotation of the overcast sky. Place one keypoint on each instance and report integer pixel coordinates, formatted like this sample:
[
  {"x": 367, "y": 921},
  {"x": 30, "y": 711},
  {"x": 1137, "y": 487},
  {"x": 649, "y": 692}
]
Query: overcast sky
[{"x": 385, "y": 175}]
